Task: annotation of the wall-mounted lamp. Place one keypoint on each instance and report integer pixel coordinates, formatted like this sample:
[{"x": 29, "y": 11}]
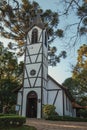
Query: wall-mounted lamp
[{"x": 39, "y": 100}]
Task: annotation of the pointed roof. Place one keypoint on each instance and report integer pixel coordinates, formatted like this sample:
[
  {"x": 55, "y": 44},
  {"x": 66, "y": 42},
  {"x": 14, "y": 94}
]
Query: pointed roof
[{"x": 37, "y": 21}]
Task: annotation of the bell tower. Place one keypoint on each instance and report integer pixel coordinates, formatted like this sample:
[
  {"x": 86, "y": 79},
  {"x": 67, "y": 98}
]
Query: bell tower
[{"x": 34, "y": 94}]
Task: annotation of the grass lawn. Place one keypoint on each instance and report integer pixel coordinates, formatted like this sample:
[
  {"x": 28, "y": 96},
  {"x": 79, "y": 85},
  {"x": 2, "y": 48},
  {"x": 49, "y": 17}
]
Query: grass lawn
[{"x": 20, "y": 128}]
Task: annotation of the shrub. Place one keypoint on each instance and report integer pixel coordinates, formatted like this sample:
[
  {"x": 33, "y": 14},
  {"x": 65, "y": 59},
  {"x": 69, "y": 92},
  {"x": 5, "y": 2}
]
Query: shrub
[
  {"x": 49, "y": 110},
  {"x": 11, "y": 120},
  {"x": 9, "y": 109},
  {"x": 83, "y": 113},
  {"x": 66, "y": 118},
  {"x": 1, "y": 114},
  {"x": 12, "y": 109},
  {"x": 1, "y": 108}
]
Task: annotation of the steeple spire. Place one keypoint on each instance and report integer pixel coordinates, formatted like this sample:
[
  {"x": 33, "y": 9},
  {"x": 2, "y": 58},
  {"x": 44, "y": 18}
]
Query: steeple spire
[{"x": 36, "y": 20}]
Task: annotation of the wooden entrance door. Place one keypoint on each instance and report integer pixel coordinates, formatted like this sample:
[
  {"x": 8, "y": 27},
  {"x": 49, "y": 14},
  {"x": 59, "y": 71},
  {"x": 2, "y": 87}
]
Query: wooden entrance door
[{"x": 31, "y": 110}]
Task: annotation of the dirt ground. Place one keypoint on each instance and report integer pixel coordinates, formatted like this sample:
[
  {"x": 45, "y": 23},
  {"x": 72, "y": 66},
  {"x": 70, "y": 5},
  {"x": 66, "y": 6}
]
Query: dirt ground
[{"x": 56, "y": 125}]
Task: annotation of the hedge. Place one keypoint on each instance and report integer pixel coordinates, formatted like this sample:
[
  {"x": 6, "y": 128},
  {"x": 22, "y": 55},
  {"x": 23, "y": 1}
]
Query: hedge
[
  {"x": 14, "y": 121},
  {"x": 66, "y": 118},
  {"x": 2, "y": 114}
]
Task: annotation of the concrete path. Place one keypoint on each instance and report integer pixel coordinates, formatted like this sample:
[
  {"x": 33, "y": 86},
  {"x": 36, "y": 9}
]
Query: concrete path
[{"x": 56, "y": 125}]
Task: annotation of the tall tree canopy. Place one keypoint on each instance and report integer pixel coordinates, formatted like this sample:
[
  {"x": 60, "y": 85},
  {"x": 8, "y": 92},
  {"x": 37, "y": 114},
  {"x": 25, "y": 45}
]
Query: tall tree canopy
[
  {"x": 77, "y": 85},
  {"x": 16, "y": 20},
  {"x": 16, "y": 17},
  {"x": 80, "y": 70},
  {"x": 75, "y": 88},
  {"x": 10, "y": 76}
]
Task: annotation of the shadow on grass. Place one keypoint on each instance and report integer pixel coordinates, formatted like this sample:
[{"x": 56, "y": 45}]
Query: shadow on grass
[{"x": 24, "y": 127}]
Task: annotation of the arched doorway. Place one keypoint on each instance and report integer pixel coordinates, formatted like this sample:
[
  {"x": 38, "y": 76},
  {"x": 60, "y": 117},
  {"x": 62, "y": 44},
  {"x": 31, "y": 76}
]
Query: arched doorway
[{"x": 31, "y": 110}]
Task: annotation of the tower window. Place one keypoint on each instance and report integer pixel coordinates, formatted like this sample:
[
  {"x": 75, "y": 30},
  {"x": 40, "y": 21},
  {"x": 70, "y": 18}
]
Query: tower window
[
  {"x": 45, "y": 39},
  {"x": 34, "y": 36}
]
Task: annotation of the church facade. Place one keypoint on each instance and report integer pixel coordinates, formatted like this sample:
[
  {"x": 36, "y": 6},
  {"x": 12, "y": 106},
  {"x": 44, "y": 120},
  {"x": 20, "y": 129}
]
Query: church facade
[{"x": 38, "y": 87}]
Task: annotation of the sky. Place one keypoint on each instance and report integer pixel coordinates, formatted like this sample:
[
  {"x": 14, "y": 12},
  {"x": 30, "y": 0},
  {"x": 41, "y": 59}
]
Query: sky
[{"x": 63, "y": 69}]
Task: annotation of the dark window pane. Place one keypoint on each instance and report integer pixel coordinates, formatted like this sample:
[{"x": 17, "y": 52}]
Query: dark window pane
[{"x": 34, "y": 36}]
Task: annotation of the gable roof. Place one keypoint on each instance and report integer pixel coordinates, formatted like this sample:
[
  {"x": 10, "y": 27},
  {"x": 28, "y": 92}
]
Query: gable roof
[{"x": 56, "y": 82}]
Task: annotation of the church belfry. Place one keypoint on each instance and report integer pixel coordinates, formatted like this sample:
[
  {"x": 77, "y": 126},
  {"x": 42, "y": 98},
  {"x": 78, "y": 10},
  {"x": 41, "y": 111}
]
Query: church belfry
[{"x": 35, "y": 71}]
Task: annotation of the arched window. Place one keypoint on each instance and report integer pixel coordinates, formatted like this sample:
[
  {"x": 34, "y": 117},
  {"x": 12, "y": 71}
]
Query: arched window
[{"x": 34, "y": 36}]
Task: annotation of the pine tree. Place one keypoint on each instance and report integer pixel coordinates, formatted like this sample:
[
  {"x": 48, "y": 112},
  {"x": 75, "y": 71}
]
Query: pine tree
[{"x": 15, "y": 22}]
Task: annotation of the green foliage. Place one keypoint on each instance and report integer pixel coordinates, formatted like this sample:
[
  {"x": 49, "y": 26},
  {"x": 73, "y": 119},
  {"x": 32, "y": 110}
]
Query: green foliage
[
  {"x": 48, "y": 110},
  {"x": 12, "y": 109},
  {"x": 77, "y": 85},
  {"x": 9, "y": 67},
  {"x": 82, "y": 13},
  {"x": 1, "y": 114},
  {"x": 83, "y": 100},
  {"x": 10, "y": 76},
  {"x": 66, "y": 118},
  {"x": 80, "y": 71},
  {"x": 24, "y": 127},
  {"x": 13, "y": 122},
  {"x": 9, "y": 109},
  {"x": 73, "y": 86},
  {"x": 6, "y": 94},
  {"x": 8, "y": 121},
  {"x": 83, "y": 113},
  {"x": 1, "y": 107}
]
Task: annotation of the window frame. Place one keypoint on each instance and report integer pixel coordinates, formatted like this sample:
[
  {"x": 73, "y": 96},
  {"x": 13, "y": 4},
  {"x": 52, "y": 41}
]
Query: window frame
[{"x": 34, "y": 36}]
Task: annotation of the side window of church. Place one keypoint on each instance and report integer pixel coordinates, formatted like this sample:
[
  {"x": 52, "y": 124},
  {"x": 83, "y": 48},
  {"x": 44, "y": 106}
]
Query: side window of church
[
  {"x": 66, "y": 103},
  {"x": 34, "y": 36},
  {"x": 45, "y": 39}
]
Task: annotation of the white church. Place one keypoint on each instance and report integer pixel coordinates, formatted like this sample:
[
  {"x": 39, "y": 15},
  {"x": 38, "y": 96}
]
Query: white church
[{"x": 38, "y": 87}]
